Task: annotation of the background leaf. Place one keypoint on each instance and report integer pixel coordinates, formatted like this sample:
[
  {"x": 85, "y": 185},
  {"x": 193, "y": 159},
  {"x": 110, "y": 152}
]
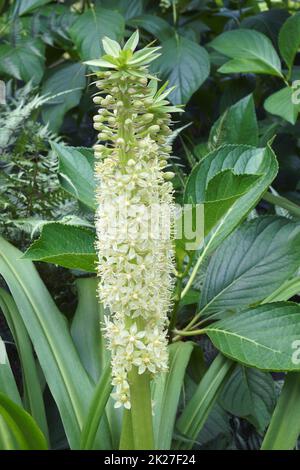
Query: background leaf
[
  {"x": 250, "y": 394},
  {"x": 254, "y": 261},
  {"x": 76, "y": 172},
  {"x": 49, "y": 333},
  {"x": 289, "y": 39},
  {"x": 155, "y": 25},
  {"x": 25, "y": 61},
  {"x": 21, "y": 424},
  {"x": 260, "y": 337},
  {"x": 250, "y": 51},
  {"x": 93, "y": 25},
  {"x": 68, "y": 76},
  {"x": 240, "y": 159},
  {"x": 8, "y": 384},
  {"x": 32, "y": 389},
  {"x": 66, "y": 245},
  {"x": 85, "y": 328},
  {"x": 281, "y": 103},
  {"x": 184, "y": 64},
  {"x": 237, "y": 125}
]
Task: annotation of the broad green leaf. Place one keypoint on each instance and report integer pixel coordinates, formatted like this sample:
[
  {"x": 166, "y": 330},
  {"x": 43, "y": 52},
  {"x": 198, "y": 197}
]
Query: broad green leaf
[
  {"x": 96, "y": 410},
  {"x": 66, "y": 245},
  {"x": 237, "y": 125},
  {"x": 216, "y": 432},
  {"x": 285, "y": 292},
  {"x": 25, "y": 61},
  {"x": 184, "y": 64},
  {"x": 254, "y": 261},
  {"x": 76, "y": 172},
  {"x": 167, "y": 393},
  {"x": 221, "y": 193},
  {"x": 250, "y": 51},
  {"x": 49, "y": 333},
  {"x": 289, "y": 39},
  {"x": 93, "y": 25},
  {"x": 282, "y": 103},
  {"x": 261, "y": 337},
  {"x": 267, "y": 22},
  {"x": 194, "y": 415},
  {"x": 154, "y": 25},
  {"x": 85, "y": 328},
  {"x": 23, "y": 427},
  {"x": 241, "y": 159},
  {"x": 125, "y": 8},
  {"x": 8, "y": 384},
  {"x": 33, "y": 393},
  {"x": 250, "y": 393},
  {"x": 27, "y": 6},
  {"x": 64, "y": 77}
]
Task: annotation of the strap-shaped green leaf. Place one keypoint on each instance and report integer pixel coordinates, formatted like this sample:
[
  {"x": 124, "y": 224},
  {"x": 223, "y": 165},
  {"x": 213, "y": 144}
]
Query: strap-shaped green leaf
[{"x": 24, "y": 429}]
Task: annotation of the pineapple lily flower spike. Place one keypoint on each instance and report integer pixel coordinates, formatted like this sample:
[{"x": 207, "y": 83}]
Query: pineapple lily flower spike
[{"x": 135, "y": 268}]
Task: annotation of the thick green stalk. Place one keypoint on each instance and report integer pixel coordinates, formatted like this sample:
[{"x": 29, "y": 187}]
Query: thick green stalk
[
  {"x": 284, "y": 427},
  {"x": 141, "y": 410},
  {"x": 126, "y": 441}
]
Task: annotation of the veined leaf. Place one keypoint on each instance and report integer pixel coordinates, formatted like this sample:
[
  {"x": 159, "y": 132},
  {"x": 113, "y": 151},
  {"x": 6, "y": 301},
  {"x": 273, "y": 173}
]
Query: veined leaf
[
  {"x": 66, "y": 245},
  {"x": 25, "y": 61},
  {"x": 250, "y": 393},
  {"x": 26, "y": 6},
  {"x": 76, "y": 172},
  {"x": 93, "y": 25},
  {"x": 281, "y": 103},
  {"x": 250, "y": 51},
  {"x": 241, "y": 159},
  {"x": 285, "y": 292},
  {"x": 289, "y": 39},
  {"x": 237, "y": 125},
  {"x": 260, "y": 337},
  {"x": 221, "y": 193},
  {"x": 184, "y": 64},
  {"x": 254, "y": 261},
  {"x": 154, "y": 25},
  {"x": 64, "y": 77}
]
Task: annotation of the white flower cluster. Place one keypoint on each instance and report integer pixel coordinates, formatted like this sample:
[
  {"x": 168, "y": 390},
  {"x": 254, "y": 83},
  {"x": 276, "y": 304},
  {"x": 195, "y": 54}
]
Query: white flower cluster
[{"x": 135, "y": 266}]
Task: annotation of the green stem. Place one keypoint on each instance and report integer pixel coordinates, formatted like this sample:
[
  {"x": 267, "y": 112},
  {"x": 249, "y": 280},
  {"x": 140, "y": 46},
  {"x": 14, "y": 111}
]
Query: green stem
[
  {"x": 284, "y": 427},
  {"x": 283, "y": 202},
  {"x": 127, "y": 440},
  {"x": 193, "y": 274},
  {"x": 141, "y": 410}
]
